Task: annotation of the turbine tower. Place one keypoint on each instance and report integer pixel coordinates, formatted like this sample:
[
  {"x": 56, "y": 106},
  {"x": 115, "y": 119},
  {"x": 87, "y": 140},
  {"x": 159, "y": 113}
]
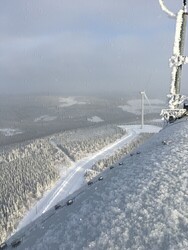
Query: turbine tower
[{"x": 176, "y": 62}]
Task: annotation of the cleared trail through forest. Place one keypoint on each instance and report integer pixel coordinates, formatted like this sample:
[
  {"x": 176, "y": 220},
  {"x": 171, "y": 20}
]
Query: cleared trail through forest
[{"x": 74, "y": 178}]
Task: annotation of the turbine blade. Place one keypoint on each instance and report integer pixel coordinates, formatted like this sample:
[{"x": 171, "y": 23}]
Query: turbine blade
[{"x": 147, "y": 98}]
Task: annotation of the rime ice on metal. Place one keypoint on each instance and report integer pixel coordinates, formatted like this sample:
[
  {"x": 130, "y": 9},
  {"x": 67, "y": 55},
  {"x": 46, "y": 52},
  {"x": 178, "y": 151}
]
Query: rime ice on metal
[
  {"x": 165, "y": 9},
  {"x": 177, "y": 60}
]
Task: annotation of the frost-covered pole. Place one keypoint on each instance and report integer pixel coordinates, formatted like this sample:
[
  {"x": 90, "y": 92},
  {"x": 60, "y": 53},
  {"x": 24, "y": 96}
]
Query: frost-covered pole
[{"x": 178, "y": 59}]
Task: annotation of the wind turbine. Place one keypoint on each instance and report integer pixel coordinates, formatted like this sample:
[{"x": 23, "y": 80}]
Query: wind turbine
[{"x": 143, "y": 97}]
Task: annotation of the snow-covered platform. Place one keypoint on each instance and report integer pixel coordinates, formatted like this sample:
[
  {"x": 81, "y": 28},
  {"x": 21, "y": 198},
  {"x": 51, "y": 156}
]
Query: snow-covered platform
[{"x": 141, "y": 203}]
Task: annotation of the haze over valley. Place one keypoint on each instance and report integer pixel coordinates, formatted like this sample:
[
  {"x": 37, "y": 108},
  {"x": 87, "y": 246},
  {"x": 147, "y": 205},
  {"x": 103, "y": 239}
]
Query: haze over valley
[{"x": 27, "y": 117}]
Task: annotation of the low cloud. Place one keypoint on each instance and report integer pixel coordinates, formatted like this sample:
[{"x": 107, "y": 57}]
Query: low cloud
[{"x": 85, "y": 46}]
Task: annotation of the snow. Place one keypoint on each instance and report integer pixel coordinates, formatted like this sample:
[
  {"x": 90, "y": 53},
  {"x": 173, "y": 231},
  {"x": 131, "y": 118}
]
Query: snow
[
  {"x": 134, "y": 106},
  {"x": 73, "y": 178},
  {"x": 69, "y": 101},
  {"x": 10, "y": 131},
  {"x": 165, "y": 9},
  {"x": 45, "y": 118},
  {"x": 137, "y": 128},
  {"x": 95, "y": 119},
  {"x": 142, "y": 204}
]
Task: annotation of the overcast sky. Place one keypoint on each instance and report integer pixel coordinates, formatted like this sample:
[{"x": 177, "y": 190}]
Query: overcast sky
[{"x": 86, "y": 46}]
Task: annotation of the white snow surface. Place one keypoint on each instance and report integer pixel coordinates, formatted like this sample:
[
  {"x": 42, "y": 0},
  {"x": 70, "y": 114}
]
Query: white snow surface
[
  {"x": 138, "y": 130},
  {"x": 10, "y": 131},
  {"x": 69, "y": 101},
  {"x": 95, "y": 119},
  {"x": 142, "y": 204},
  {"x": 134, "y": 106},
  {"x": 45, "y": 118}
]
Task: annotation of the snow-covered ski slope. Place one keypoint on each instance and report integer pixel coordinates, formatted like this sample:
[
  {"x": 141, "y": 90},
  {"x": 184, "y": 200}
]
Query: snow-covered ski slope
[{"x": 142, "y": 204}]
